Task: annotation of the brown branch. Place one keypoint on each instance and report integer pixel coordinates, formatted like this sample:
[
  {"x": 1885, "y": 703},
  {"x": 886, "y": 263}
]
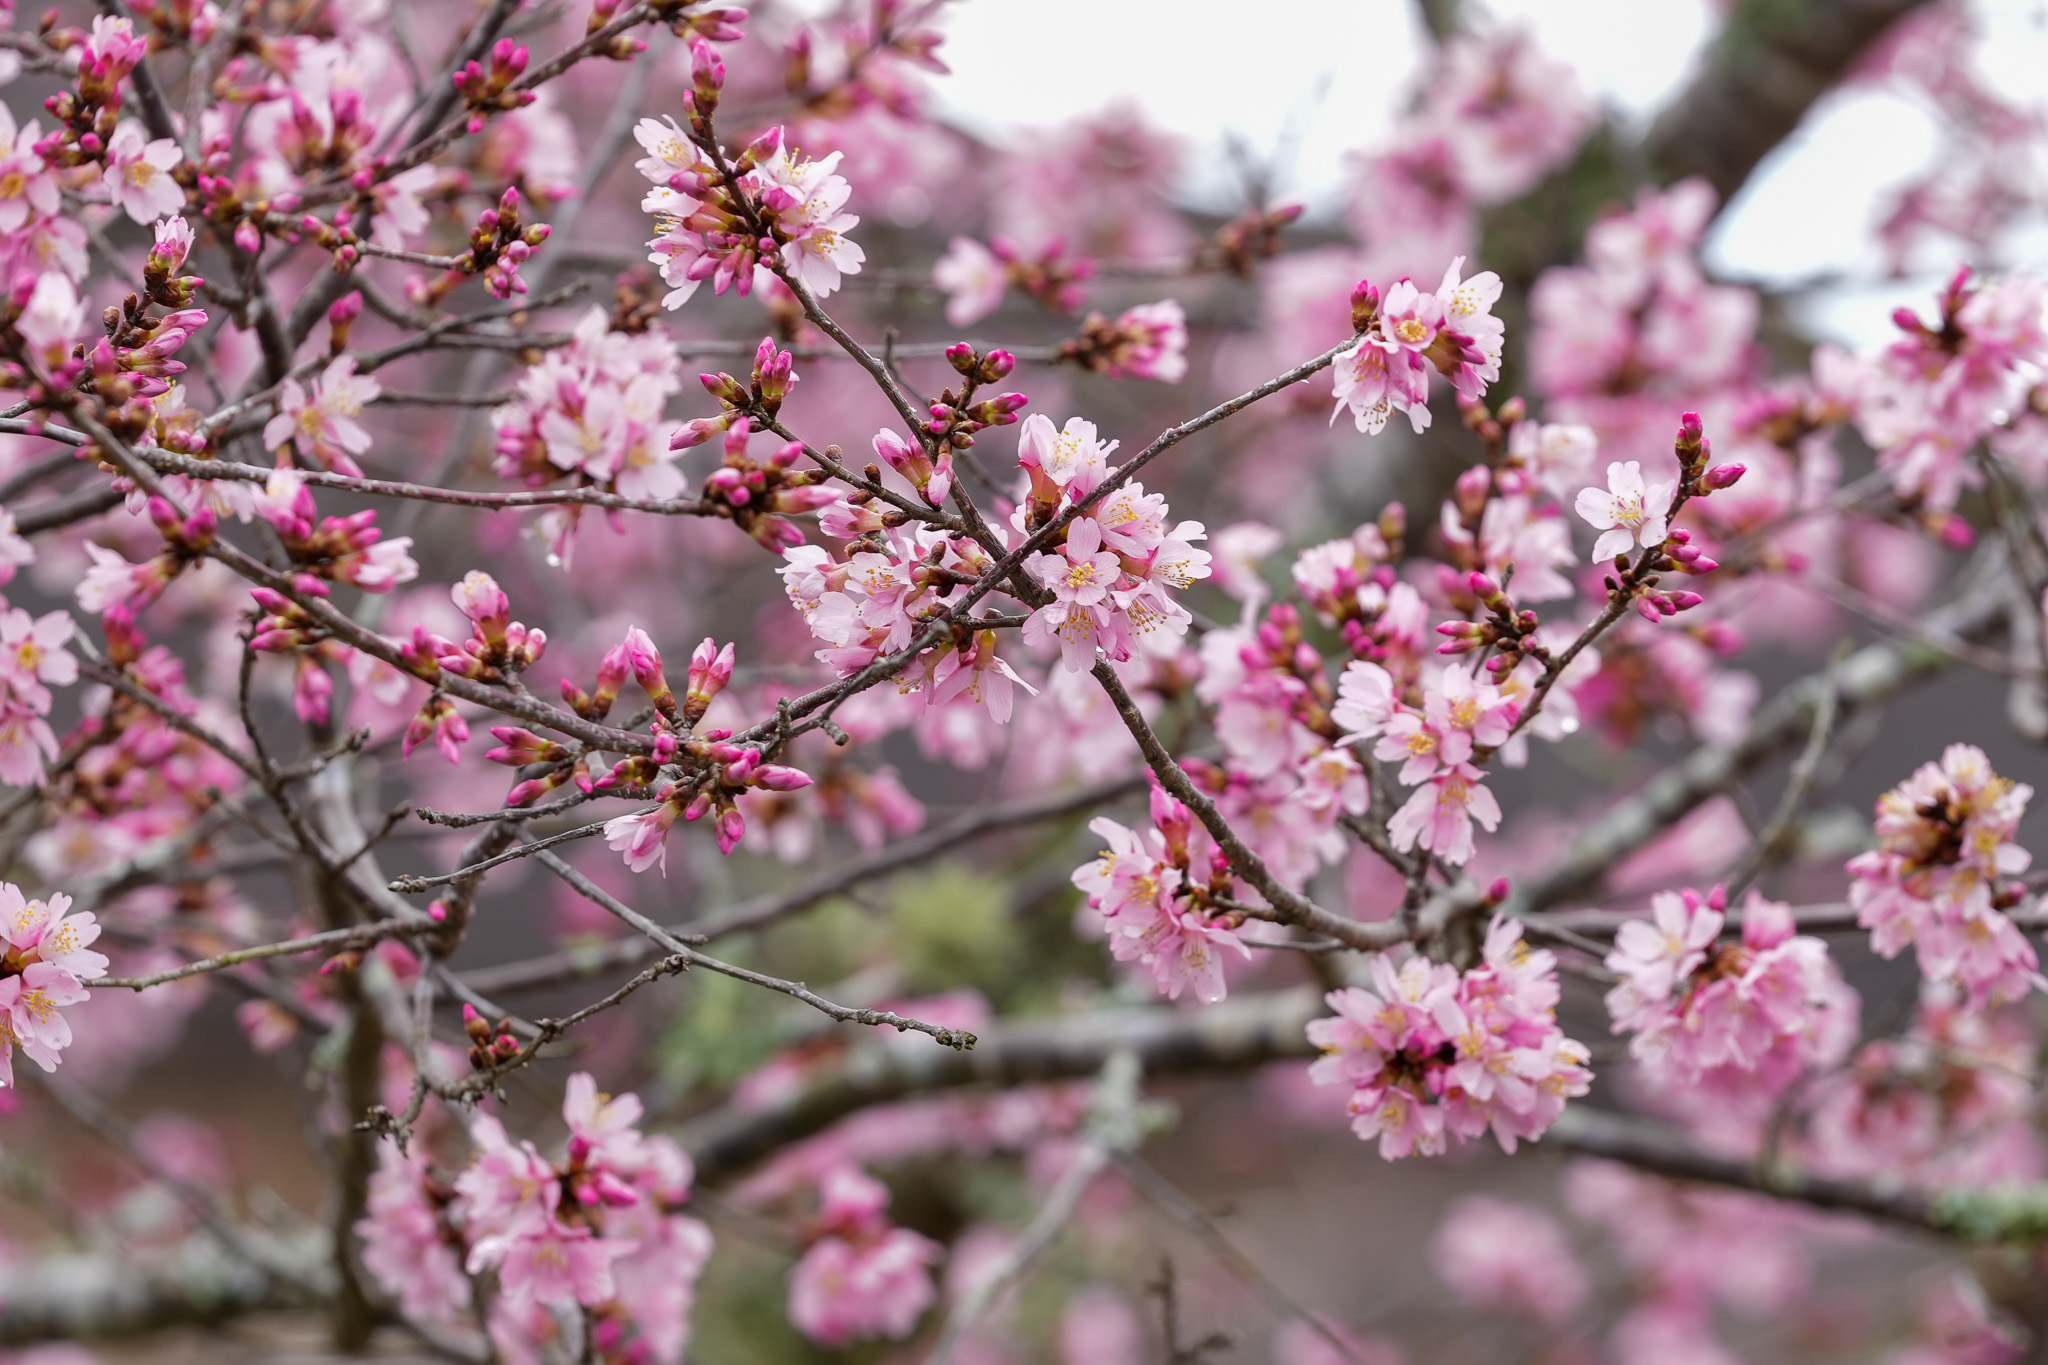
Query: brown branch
[
  {"x": 795, "y": 990},
  {"x": 1239, "y": 1033},
  {"x": 761, "y": 911},
  {"x": 1291, "y": 906}
]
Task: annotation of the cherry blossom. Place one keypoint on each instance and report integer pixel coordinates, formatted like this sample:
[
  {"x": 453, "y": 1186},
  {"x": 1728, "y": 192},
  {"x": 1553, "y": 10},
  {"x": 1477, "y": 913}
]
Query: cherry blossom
[
  {"x": 322, "y": 419},
  {"x": 973, "y": 279},
  {"x": 138, "y": 178},
  {"x": 47, "y": 959},
  {"x": 1629, "y": 512},
  {"x": 27, "y": 186},
  {"x": 1156, "y": 890},
  {"x": 1440, "y": 815}
]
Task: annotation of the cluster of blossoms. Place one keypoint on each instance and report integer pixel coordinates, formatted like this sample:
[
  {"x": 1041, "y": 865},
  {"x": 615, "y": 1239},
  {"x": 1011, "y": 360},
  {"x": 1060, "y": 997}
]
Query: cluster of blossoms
[
  {"x": 48, "y": 955},
  {"x": 137, "y": 777},
  {"x": 349, "y": 550},
  {"x": 1930, "y": 397},
  {"x": 1407, "y": 335},
  {"x": 1491, "y": 115},
  {"x": 1740, "y": 1019},
  {"x": 876, "y": 600},
  {"x": 1636, "y": 331},
  {"x": 36, "y": 236},
  {"x": 862, "y": 1277},
  {"x": 589, "y": 412},
  {"x": 602, "y": 1227},
  {"x": 775, "y": 205},
  {"x": 1285, "y": 782},
  {"x": 1160, "y": 893},
  {"x": 134, "y": 359},
  {"x": 717, "y": 774},
  {"x": 1431, "y": 1053},
  {"x": 1434, "y": 743},
  {"x": 1948, "y": 1103},
  {"x": 497, "y": 648},
  {"x": 1939, "y": 877},
  {"x": 1149, "y": 341},
  {"x": 1116, "y": 557},
  {"x": 1146, "y": 341},
  {"x": 974, "y": 278},
  {"x": 1504, "y": 1257}
]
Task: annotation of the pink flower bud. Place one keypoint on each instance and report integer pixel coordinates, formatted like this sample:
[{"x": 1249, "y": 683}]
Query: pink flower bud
[
  {"x": 479, "y": 597},
  {"x": 732, "y": 827},
  {"x": 779, "y": 778},
  {"x": 645, "y": 660},
  {"x": 612, "y": 672},
  {"x": 1365, "y": 306},
  {"x": 710, "y": 670},
  {"x": 901, "y": 457},
  {"x": 1722, "y": 476}
]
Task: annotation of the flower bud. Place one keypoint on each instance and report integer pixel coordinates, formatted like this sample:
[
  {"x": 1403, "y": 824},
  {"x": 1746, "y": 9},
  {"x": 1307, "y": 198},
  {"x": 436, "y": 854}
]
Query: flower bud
[
  {"x": 710, "y": 671},
  {"x": 645, "y": 661},
  {"x": 479, "y": 597},
  {"x": 1365, "y": 306},
  {"x": 612, "y": 672},
  {"x": 732, "y": 827},
  {"x": 777, "y": 777}
]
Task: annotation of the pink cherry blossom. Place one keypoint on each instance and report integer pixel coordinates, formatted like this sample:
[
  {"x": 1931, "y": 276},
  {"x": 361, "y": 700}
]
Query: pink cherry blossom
[
  {"x": 864, "y": 1279},
  {"x": 1156, "y": 336},
  {"x": 138, "y": 178},
  {"x": 1440, "y": 815},
  {"x": 973, "y": 279},
  {"x": 32, "y": 654},
  {"x": 45, "y": 931},
  {"x": 323, "y": 418},
  {"x": 28, "y": 188},
  {"x": 1627, "y": 512}
]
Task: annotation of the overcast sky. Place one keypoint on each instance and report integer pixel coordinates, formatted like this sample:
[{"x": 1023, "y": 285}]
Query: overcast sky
[{"x": 1198, "y": 68}]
